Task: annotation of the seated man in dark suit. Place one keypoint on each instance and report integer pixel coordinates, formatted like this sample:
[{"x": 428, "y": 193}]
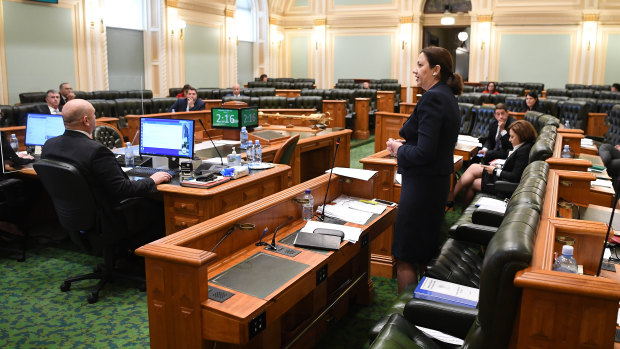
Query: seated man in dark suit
[
  {"x": 65, "y": 91},
  {"x": 497, "y": 144},
  {"x": 236, "y": 91},
  {"x": 98, "y": 165},
  {"x": 52, "y": 98},
  {"x": 191, "y": 103}
]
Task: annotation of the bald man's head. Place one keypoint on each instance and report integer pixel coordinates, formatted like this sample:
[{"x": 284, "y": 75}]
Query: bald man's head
[
  {"x": 79, "y": 114},
  {"x": 236, "y": 89}
]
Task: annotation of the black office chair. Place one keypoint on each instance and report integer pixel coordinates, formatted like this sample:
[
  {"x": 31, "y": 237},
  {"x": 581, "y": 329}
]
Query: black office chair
[
  {"x": 12, "y": 206},
  {"x": 97, "y": 229},
  {"x": 284, "y": 155},
  {"x": 108, "y": 136}
]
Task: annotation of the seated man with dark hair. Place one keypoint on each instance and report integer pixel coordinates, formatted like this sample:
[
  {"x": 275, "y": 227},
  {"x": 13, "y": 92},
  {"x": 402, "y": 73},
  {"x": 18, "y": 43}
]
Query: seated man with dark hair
[
  {"x": 497, "y": 144},
  {"x": 65, "y": 93},
  {"x": 190, "y": 103},
  {"x": 263, "y": 77},
  {"x": 109, "y": 184},
  {"x": 52, "y": 98},
  {"x": 615, "y": 87}
]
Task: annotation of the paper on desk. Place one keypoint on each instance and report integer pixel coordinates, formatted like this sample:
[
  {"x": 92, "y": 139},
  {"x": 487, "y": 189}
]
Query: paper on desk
[
  {"x": 351, "y": 234},
  {"x": 355, "y": 204},
  {"x": 354, "y": 173},
  {"x": 491, "y": 204},
  {"x": 215, "y": 161},
  {"x": 601, "y": 183},
  {"x": 398, "y": 178},
  {"x": 345, "y": 213},
  {"x": 207, "y": 144},
  {"x": 446, "y": 338},
  {"x": 469, "y": 140},
  {"x": 586, "y": 141}
]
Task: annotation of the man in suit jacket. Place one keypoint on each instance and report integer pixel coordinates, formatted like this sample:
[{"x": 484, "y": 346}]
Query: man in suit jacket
[
  {"x": 52, "y": 98},
  {"x": 498, "y": 144},
  {"x": 191, "y": 103},
  {"x": 236, "y": 91},
  {"x": 65, "y": 90},
  {"x": 96, "y": 162}
]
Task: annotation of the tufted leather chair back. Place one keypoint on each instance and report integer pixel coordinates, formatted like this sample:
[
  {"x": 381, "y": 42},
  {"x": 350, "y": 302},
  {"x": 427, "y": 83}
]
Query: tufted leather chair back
[
  {"x": 542, "y": 149},
  {"x": 557, "y": 92},
  {"x": 106, "y": 94},
  {"x": 325, "y": 94},
  {"x": 253, "y": 84},
  {"x": 309, "y": 102},
  {"x": 519, "y": 91},
  {"x": 108, "y": 136},
  {"x": 262, "y": 91},
  {"x": 146, "y": 94},
  {"x": 344, "y": 94},
  {"x": 130, "y": 106},
  {"x": 298, "y": 85},
  {"x": 313, "y": 81},
  {"x": 289, "y": 80},
  {"x": 162, "y": 104},
  {"x": 7, "y": 116},
  {"x": 283, "y": 85},
  {"x": 272, "y": 102},
  {"x": 516, "y": 104},
  {"x": 466, "y": 111},
  {"x": 575, "y": 86},
  {"x": 88, "y": 95},
  {"x": 600, "y": 87},
  {"x": 505, "y": 84},
  {"x": 102, "y": 108},
  {"x": 475, "y": 98},
  {"x": 174, "y": 91},
  {"x": 534, "y": 86},
  {"x": 346, "y": 85},
  {"x": 393, "y": 86},
  {"x": 483, "y": 116},
  {"x": 605, "y": 105},
  {"x": 609, "y": 95},
  {"x": 468, "y": 89},
  {"x": 499, "y": 98},
  {"x": 581, "y": 93},
  {"x": 590, "y": 102},
  {"x": 367, "y": 93},
  {"x": 576, "y": 112},
  {"x": 345, "y": 81},
  {"x": 613, "y": 120},
  {"x": 206, "y": 93},
  {"x": 549, "y": 106},
  {"x": 32, "y": 97}
]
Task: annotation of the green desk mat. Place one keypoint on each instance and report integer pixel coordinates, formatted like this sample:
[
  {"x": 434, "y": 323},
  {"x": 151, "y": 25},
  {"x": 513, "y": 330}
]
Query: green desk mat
[{"x": 259, "y": 275}]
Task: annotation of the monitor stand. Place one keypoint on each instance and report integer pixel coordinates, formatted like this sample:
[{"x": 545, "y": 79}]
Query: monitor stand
[{"x": 173, "y": 163}]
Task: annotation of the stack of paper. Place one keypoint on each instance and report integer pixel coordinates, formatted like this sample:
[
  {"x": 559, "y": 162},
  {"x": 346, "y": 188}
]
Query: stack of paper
[
  {"x": 601, "y": 183},
  {"x": 469, "y": 140},
  {"x": 354, "y": 173},
  {"x": 491, "y": 204},
  {"x": 587, "y": 143},
  {"x": 345, "y": 213},
  {"x": 446, "y": 292}
]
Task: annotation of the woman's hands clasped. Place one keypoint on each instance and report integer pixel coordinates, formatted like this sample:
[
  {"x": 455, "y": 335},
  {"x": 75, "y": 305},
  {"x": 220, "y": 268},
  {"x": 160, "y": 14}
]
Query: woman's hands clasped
[{"x": 393, "y": 145}]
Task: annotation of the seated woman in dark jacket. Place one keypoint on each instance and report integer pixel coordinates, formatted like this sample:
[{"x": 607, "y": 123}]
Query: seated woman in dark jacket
[
  {"x": 531, "y": 101},
  {"x": 482, "y": 177}
]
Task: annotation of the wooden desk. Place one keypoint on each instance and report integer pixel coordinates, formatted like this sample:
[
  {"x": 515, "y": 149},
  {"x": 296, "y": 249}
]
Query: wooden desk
[
  {"x": 596, "y": 125},
  {"x": 20, "y": 133},
  {"x": 314, "y": 152},
  {"x": 381, "y": 261},
  {"x": 387, "y": 126},
  {"x": 185, "y": 207},
  {"x": 467, "y": 151},
  {"x": 179, "y": 270},
  {"x": 560, "y": 309}
]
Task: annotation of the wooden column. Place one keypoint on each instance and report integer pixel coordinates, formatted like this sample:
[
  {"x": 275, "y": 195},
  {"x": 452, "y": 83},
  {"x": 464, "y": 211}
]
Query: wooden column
[{"x": 362, "y": 107}]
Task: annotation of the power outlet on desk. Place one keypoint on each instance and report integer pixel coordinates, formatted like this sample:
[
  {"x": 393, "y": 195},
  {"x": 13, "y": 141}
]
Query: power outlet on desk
[
  {"x": 321, "y": 274},
  {"x": 257, "y": 324}
]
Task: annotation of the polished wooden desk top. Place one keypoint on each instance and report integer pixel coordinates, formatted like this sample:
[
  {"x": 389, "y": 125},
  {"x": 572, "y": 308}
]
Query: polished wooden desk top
[{"x": 178, "y": 269}]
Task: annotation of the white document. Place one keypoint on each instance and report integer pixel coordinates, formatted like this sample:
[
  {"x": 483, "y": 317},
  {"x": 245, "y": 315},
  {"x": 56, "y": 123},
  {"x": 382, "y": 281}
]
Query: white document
[
  {"x": 356, "y": 204},
  {"x": 446, "y": 338},
  {"x": 354, "y": 173},
  {"x": 345, "y": 213},
  {"x": 351, "y": 234},
  {"x": 491, "y": 204},
  {"x": 602, "y": 183},
  {"x": 398, "y": 178},
  {"x": 586, "y": 141},
  {"x": 207, "y": 144}
]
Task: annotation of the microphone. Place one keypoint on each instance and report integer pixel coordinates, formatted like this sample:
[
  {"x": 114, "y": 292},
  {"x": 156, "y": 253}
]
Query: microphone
[
  {"x": 322, "y": 218},
  {"x": 260, "y": 242},
  {"x": 223, "y": 238},
  {"x": 272, "y": 246},
  {"x": 211, "y": 139},
  {"x": 611, "y": 219}
]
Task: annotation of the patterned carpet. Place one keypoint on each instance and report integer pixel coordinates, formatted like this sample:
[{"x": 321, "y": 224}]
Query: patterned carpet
[{"x": 36, "y": 314}]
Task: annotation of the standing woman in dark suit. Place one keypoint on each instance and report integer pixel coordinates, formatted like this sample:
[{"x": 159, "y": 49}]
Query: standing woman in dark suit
[{"x": 425, "y": 160}]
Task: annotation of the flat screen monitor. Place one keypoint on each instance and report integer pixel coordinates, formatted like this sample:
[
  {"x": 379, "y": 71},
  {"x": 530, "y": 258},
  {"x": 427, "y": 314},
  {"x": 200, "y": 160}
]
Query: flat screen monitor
[
  {"x": 234, "y": 118},
  {"x": 167, "y": 137},
  {"x": 41, "y": 127}
]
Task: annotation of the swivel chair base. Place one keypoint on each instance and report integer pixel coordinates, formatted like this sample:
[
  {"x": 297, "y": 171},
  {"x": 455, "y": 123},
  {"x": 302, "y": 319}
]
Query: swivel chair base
[{"x": 100, "y": 273}]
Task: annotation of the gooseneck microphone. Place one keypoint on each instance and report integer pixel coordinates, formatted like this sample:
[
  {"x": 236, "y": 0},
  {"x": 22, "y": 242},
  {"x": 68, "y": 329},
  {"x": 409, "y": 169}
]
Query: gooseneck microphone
[
  {"x": 609, "y": 226},
  {"x": 272, "y": 246},
  {"x": 322, "y": 218},
  {"x": 211, "y": 139},
  {"x": 223, "y": 237}
]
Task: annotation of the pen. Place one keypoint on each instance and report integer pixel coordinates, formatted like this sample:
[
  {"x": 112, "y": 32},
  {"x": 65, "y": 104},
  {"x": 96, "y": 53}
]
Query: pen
[{"x": 368, "y": 202}]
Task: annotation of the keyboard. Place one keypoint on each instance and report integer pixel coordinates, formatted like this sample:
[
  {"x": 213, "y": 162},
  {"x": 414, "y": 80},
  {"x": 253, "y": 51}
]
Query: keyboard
[{"x": 148, "y": 171}]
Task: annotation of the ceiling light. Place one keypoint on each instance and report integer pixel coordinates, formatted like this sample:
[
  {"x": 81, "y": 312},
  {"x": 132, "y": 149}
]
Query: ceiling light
[{"x": 447, "y": 19}]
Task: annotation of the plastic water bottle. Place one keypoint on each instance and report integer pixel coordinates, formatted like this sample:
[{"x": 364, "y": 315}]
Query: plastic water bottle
[
  {"x": 566, "y": 152},
  {"x": 14, "y": 142},
  {"x": 249, "y": 152},
  {"x": 129, "y": 158},
  {"x": 258, "y": 153},
  {"x": 307, "y": 209},
  {"x": 566, "y": 263},
  {"x": 567, "y": 124},
  {"x": 243, "y": 138}
]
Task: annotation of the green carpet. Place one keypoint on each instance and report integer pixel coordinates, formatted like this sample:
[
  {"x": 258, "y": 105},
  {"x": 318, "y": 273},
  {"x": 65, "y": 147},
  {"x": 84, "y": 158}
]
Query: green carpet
[{"x": 36, "y": 314}]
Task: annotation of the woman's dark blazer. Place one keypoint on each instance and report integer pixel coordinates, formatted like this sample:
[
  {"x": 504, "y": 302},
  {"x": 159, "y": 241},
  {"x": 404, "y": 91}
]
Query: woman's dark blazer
[
  {"x": 430, "y": 134},
  {"x": 516, "y": 163}
]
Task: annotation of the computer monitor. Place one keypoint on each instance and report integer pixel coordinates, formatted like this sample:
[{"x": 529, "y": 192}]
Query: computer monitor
[
  {"x": 41, "y": 127},
  {"x": 234, "y": 118},
  {"x": 167, "y": 137}
]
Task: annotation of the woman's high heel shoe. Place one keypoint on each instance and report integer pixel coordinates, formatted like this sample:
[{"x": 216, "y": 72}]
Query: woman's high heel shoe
[{"x": 449, "y": 206}]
